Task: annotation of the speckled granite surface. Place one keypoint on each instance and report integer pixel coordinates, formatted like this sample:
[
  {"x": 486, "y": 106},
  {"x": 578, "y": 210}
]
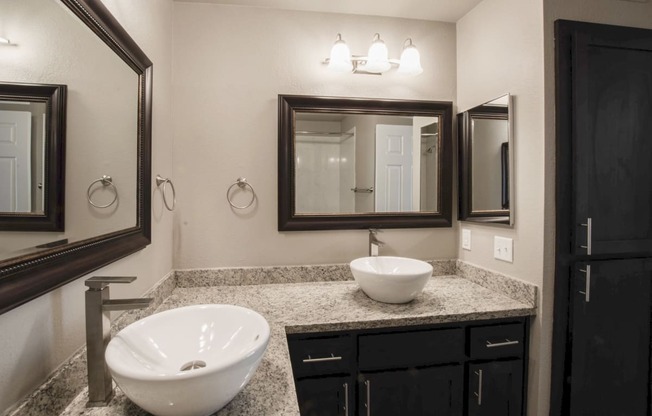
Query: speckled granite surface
[
  {"x": 237, "y": 276},
  {"x": 322, "y": 306},
  {"x": 512, "y": 287}
]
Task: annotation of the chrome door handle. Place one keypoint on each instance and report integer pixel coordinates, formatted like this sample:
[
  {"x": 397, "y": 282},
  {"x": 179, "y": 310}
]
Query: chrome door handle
[
  {"x": 346, "y": 399},
  {"x": 479, "y": 393},
  {"x": 322, "y": 359},
  {"x": 368, "y": 402},
  {"x": 501, "y": 344},
  {"x": 587, "y": 286},
  {"x": 589, "y": 231}
]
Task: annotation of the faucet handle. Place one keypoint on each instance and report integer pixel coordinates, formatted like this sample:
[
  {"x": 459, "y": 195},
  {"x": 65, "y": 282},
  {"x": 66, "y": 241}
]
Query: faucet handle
[{"x": 100, "y": 282}]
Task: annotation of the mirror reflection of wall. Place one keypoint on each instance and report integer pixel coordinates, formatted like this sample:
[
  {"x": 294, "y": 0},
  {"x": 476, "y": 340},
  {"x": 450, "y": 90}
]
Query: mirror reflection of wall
[
  {"x": 101, "y": 125},
  {"x": 365, "y": 163}
]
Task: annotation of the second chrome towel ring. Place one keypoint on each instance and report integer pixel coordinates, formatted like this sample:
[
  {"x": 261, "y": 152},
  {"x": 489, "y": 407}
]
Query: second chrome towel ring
[
  {"x": 242, "y": 184},
  {"x": 165, "y": 181},
  {"x": 107, "y": 181}
]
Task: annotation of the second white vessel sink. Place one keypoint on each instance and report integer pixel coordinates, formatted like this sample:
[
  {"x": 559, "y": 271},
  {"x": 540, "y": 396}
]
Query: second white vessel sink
[
  {"x": 189, "y": 361},
  {"x": 391, "y": 279}
]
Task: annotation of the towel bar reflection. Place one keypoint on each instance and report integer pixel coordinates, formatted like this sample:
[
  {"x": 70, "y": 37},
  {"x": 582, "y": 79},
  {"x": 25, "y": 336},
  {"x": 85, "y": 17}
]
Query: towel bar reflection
[
  {"x": 242, "y": 184},
  {"x": 362, "y": 190},
  {"x": 165, "y": 181},
  {"x": 106, "y": 181}
]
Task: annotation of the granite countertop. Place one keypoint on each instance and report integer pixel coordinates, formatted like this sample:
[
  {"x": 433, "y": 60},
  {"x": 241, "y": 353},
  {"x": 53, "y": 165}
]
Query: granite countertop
[{"x": 318, "y": 307}]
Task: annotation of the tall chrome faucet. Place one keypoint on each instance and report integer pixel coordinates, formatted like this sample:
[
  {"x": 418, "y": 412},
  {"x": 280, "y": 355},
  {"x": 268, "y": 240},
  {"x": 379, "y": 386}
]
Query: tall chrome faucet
[
  {"x": 374, "y": 242},
  {"x": 98, "y": 333}
]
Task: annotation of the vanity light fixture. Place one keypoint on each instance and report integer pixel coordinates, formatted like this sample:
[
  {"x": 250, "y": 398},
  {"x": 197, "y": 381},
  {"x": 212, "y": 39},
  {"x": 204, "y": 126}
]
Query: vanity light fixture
[
  {"x": 4, "y": 41},
  {"x": 377, "y": 59}
]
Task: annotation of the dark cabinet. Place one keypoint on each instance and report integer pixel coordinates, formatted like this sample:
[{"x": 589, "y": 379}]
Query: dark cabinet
[
  {"x": 495, "y": 388},
  {"x": 610, "y": 348},
  {"x": 412, "y": 392},
  {"x": 428, "y": 370},
  {"x": 325, "y": 396}
]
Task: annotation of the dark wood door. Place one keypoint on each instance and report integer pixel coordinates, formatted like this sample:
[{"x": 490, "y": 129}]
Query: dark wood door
[
  {"x": 496, "y": 388},
  {"x": 611, "y": 129},
  {"x": 326, "y": 396},
  {"x": 414, "y": 392},
  {"x": 610, "y": 346}
]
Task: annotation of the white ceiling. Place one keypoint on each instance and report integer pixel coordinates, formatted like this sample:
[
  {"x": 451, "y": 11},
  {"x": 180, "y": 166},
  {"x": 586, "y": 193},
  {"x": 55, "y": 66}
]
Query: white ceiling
[{"x": 439, "y": 10}]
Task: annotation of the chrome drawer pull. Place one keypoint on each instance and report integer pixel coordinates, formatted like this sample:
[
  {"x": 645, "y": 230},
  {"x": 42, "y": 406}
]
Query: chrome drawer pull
[
  {"x": 479, "y": 393},
  {"x": 319, "y": 360},
  {"x": 501, "y": 344},
  {"x": 587, "y": 290},
  {"x": 346, "y": 399},
  {"x": 589, "y": 231},
  {"x": 368, "y": 403}
]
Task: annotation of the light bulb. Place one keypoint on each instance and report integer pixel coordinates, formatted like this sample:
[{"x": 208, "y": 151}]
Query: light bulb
[
  {"x": 410, "y": 60},
  {"x": 340, "y": 58},
  {"x": 377, "y": 57}
]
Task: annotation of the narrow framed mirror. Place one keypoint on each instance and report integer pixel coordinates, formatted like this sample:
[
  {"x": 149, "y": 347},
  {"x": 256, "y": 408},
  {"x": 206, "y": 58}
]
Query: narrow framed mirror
[
  {"x": 32, "y": 156},
  {"x": 486, "y": 148},
  {"x": 347, "y": 163}
]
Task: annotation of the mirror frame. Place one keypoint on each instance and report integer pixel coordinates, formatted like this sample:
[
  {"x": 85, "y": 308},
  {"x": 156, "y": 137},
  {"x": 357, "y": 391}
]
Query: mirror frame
[
  {"x": 465, "y": 163},
  {"x": 289, "y": 220},
  {"x": 54, "y": 98},
  {"x": 28, "y": 277}
]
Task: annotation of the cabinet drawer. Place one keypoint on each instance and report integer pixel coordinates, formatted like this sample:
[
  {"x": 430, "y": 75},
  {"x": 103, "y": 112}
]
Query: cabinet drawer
[
  {"x": 410, "y": 349},
  {"x": 496, "y": 341},
  {"x": 321, "y": 356}
]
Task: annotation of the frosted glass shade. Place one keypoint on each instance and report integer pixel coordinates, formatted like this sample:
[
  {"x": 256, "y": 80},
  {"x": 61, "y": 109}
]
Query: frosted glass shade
[
  {"x": 377, "y": 57},
  {"x": 410, "y": 61},
  {"x": 340, "y": 59}
]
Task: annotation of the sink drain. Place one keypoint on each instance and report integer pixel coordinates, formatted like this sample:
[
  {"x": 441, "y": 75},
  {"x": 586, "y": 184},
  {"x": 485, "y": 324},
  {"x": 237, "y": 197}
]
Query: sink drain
[{"x": 193, "y": 365}]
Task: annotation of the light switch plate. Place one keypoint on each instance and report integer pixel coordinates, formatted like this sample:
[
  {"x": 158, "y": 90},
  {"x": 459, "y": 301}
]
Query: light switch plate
[
  {"x": 504, "y": 249},
  {"x": 466, "y": 239}
]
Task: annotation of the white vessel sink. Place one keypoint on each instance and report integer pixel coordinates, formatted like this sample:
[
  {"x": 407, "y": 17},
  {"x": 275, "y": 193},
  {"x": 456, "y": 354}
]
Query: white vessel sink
[
  {"x": 189, "y": 361},
  {"x": 391, "y": 279}
]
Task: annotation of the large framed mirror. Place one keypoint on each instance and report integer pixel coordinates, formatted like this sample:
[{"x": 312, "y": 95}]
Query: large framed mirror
[
  {"x": 486, "y": 148},
  {"x": 348, "y": 163},
  {"x": 32, "y": 156},
  {"x": 108, "y": 78}
]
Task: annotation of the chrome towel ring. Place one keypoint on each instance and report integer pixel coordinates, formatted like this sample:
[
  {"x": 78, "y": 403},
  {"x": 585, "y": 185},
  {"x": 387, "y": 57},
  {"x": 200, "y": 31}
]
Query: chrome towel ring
[
  {"x": 106, "y": 180},
  {"x": 242, "y": 184},
  {"x": 165, "y": 181}
]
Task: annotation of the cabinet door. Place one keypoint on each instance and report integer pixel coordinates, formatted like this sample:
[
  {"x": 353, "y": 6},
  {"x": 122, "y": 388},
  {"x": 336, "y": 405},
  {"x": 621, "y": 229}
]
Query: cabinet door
[
  {"x": 610, "y": 338},
  {"x": 326, "y": 396},
  {"x": 612, "y": 150},
  {"x": 496, "y": 388},
  {"x": 419, "y": 392}
]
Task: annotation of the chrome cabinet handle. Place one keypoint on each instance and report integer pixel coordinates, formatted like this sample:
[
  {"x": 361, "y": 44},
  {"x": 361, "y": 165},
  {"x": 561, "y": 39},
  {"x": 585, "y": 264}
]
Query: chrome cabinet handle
[
  {"x": 589, "y": 230},
  {"x": 479, "y": 393},
  {"x": 501, "y": 344},
  {"x": 322, "y": 359},
  {"x": 346, "y": 399},
  {"x": 368, "y": 403},
  {"x": 587, "y": 287}
]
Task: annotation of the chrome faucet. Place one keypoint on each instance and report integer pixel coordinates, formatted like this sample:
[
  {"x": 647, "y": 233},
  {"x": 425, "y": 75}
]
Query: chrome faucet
[
  {"x": 98, "y": 333},
  {"x": 374, "y": 242}
]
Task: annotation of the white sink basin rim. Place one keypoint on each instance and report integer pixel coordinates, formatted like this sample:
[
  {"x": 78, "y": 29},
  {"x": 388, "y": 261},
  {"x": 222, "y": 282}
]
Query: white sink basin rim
[
  {"x": 189, "y": 361},
  {"x": 391, "y": 279}
]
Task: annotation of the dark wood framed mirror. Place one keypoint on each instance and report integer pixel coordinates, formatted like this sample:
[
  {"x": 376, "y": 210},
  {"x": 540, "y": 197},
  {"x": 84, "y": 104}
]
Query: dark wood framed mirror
[
  {"x": 485, "y": 163},
  {"x": 32, "y": 156},
  {"x": 352, "y": 163},
  {"x": 41, "y": 268}
]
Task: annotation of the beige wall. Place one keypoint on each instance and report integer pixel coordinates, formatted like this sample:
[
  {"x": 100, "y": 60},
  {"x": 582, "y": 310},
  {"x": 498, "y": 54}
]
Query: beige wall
[
  {"x": 230, "y": 63},
  {"x": 614, "y": 12},
  {"x": 500, "y": 50},
  {"x": 40, "y": 335}
]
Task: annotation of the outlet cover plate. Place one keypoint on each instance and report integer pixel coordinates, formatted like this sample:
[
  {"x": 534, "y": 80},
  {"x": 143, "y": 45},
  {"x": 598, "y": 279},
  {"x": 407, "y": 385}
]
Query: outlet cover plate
[
  {"x": 466, "y": 239},
  {"x": 504, "y": 249}
]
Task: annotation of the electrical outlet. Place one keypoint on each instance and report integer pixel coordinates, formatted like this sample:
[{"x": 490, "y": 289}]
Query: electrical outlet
[
  {"x": 466, "y": 239},
  {"x": 503, "y": 249}
]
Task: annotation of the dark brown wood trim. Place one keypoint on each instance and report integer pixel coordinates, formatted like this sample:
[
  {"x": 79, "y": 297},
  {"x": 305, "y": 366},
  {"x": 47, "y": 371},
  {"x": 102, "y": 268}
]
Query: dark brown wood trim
[
  {"x": 288, "y": 220},
  {"x": 25, "y": 278}
]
